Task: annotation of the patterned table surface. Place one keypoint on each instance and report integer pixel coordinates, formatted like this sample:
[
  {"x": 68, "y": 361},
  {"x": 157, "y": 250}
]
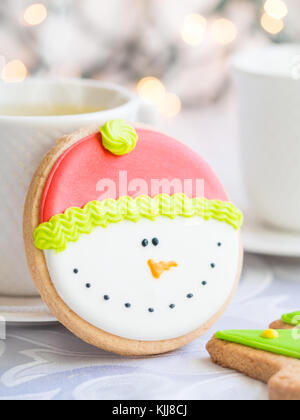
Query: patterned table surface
[{"x": 48, "y": 362}]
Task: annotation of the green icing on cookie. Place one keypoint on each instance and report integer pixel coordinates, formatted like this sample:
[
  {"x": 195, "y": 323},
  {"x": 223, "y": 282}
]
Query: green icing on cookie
[
  {"x": 287, "y": 344},
  {"x": 118, "y": 137},
  {"x": 68, "y": 227},
  {"x": 292, "y": 319}
]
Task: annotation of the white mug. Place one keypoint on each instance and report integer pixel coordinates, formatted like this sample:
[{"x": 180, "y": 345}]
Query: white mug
[
  {"x": 24, "y": 141},
  {"x": 268, "y": 86}
]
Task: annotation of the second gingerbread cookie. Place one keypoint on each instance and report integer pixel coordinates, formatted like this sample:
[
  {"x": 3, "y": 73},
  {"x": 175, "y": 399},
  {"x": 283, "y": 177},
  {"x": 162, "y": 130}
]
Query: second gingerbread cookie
[
  {"x": 131, "y": 239},
  {"x": 287, "y": 321}
]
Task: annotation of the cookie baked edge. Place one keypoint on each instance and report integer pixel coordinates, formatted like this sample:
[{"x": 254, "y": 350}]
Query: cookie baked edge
[{"x": 40, "y": 275}]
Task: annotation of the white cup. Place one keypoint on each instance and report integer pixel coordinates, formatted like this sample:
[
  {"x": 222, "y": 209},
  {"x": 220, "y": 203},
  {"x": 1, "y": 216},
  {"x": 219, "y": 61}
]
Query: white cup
[
  {"x": 268, "y": 86},
  {"x": 24, "y": 141}
]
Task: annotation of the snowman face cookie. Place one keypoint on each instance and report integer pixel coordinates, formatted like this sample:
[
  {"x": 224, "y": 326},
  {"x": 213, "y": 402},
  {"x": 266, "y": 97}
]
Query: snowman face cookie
[
  {"x": 136, "y": 273},
  {"x": 148, "y": 280}
]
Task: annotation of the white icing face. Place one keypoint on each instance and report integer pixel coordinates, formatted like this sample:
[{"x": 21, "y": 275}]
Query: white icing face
[{"x": 105, "y": 278}]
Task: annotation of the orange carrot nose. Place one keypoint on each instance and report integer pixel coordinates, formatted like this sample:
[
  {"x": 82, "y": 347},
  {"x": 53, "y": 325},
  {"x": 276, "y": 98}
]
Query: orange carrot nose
[{"x": 158, "y": 268}]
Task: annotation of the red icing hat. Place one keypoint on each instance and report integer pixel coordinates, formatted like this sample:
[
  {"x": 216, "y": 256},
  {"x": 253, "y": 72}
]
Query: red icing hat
[{"x": 87, "y": 171}]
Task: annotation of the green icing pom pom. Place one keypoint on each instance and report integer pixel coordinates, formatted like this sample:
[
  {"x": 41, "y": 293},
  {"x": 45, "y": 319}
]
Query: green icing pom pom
[{"x": 118, "y": 137}]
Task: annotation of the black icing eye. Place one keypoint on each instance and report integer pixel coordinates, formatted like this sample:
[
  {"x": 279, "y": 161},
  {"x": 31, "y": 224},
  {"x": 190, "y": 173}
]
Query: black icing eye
[
  {"x": 190, "y": 296},
  {"x": 204, "y": 283},
  {"x": 145, "y": 243},
  {"x": 213, "y": 265},
  {"x": 155, "y": 241},
  {"x": 219, "y": 244},
  {"x": 75, "y": 271},
  {"x": 88, "y": 285},
  {"x": 106, "y": 297}
]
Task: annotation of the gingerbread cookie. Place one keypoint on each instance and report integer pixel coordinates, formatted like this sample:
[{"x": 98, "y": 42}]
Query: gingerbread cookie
[
  {"x": 287, "y": 321},
  {"x": 131, "y": 239},
  {"x": 271, "y": 356}
]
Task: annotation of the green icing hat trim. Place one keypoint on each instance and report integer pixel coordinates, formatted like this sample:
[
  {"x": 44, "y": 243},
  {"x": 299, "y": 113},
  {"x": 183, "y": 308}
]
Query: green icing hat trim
[
  {"x": 68, "y": 227},
  {"x": 287, "y": 344},
  {"x": 118, "y": 137},
  {"x": 292, "y": 319}
]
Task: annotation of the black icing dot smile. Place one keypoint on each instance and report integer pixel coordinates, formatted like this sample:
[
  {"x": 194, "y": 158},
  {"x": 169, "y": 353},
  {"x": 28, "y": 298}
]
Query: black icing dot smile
[{"x": 128, "y": 305}]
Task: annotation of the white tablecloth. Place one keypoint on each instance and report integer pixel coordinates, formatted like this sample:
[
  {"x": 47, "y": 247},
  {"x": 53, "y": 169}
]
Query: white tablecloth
[{"x": 48, "y": 362}]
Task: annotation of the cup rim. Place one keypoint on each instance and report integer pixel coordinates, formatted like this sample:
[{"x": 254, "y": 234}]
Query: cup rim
[
  {"x": 239, "y": 65},
  {"x": 127, "y": 94}
]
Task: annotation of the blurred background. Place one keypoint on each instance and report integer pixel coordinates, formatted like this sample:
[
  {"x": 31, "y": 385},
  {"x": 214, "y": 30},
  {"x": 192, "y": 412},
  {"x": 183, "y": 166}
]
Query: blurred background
[{"x": 174, "y": 53}]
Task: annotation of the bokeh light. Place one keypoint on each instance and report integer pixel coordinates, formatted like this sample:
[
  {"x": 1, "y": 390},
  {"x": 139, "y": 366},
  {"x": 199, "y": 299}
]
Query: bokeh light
[
  {"x": 171, "y": 105},
  {"x": 224, "y": 31},
  {"x": 277, "y": 9},
  {"x": 151, "y": 89},
  {"x": 193, "y": 31},
  {"x": 14, "y": 71},
  {"x": 271, "y": 25},
  {"x": 35, "y": 14}
]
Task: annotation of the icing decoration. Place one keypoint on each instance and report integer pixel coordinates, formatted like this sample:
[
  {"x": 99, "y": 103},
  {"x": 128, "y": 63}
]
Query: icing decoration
[
  {"x": 68, "y": 227},
  {"x": 114, "y": 263},
  {"x": 74, "y": 179},
  {"x": 292, "y": 318},
  {"x": 157, "y": 269},
  {"x": 118, "y": 137},
  {"x": 271, "y": 334},
  {"x": 155, "y": 241},
  {"x": 178, "y": 230},
  {"x": 285, "y": 344}
]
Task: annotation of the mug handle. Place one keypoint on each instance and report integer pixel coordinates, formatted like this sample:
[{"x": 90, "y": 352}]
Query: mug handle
[{"x": 146, "y": 113}]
